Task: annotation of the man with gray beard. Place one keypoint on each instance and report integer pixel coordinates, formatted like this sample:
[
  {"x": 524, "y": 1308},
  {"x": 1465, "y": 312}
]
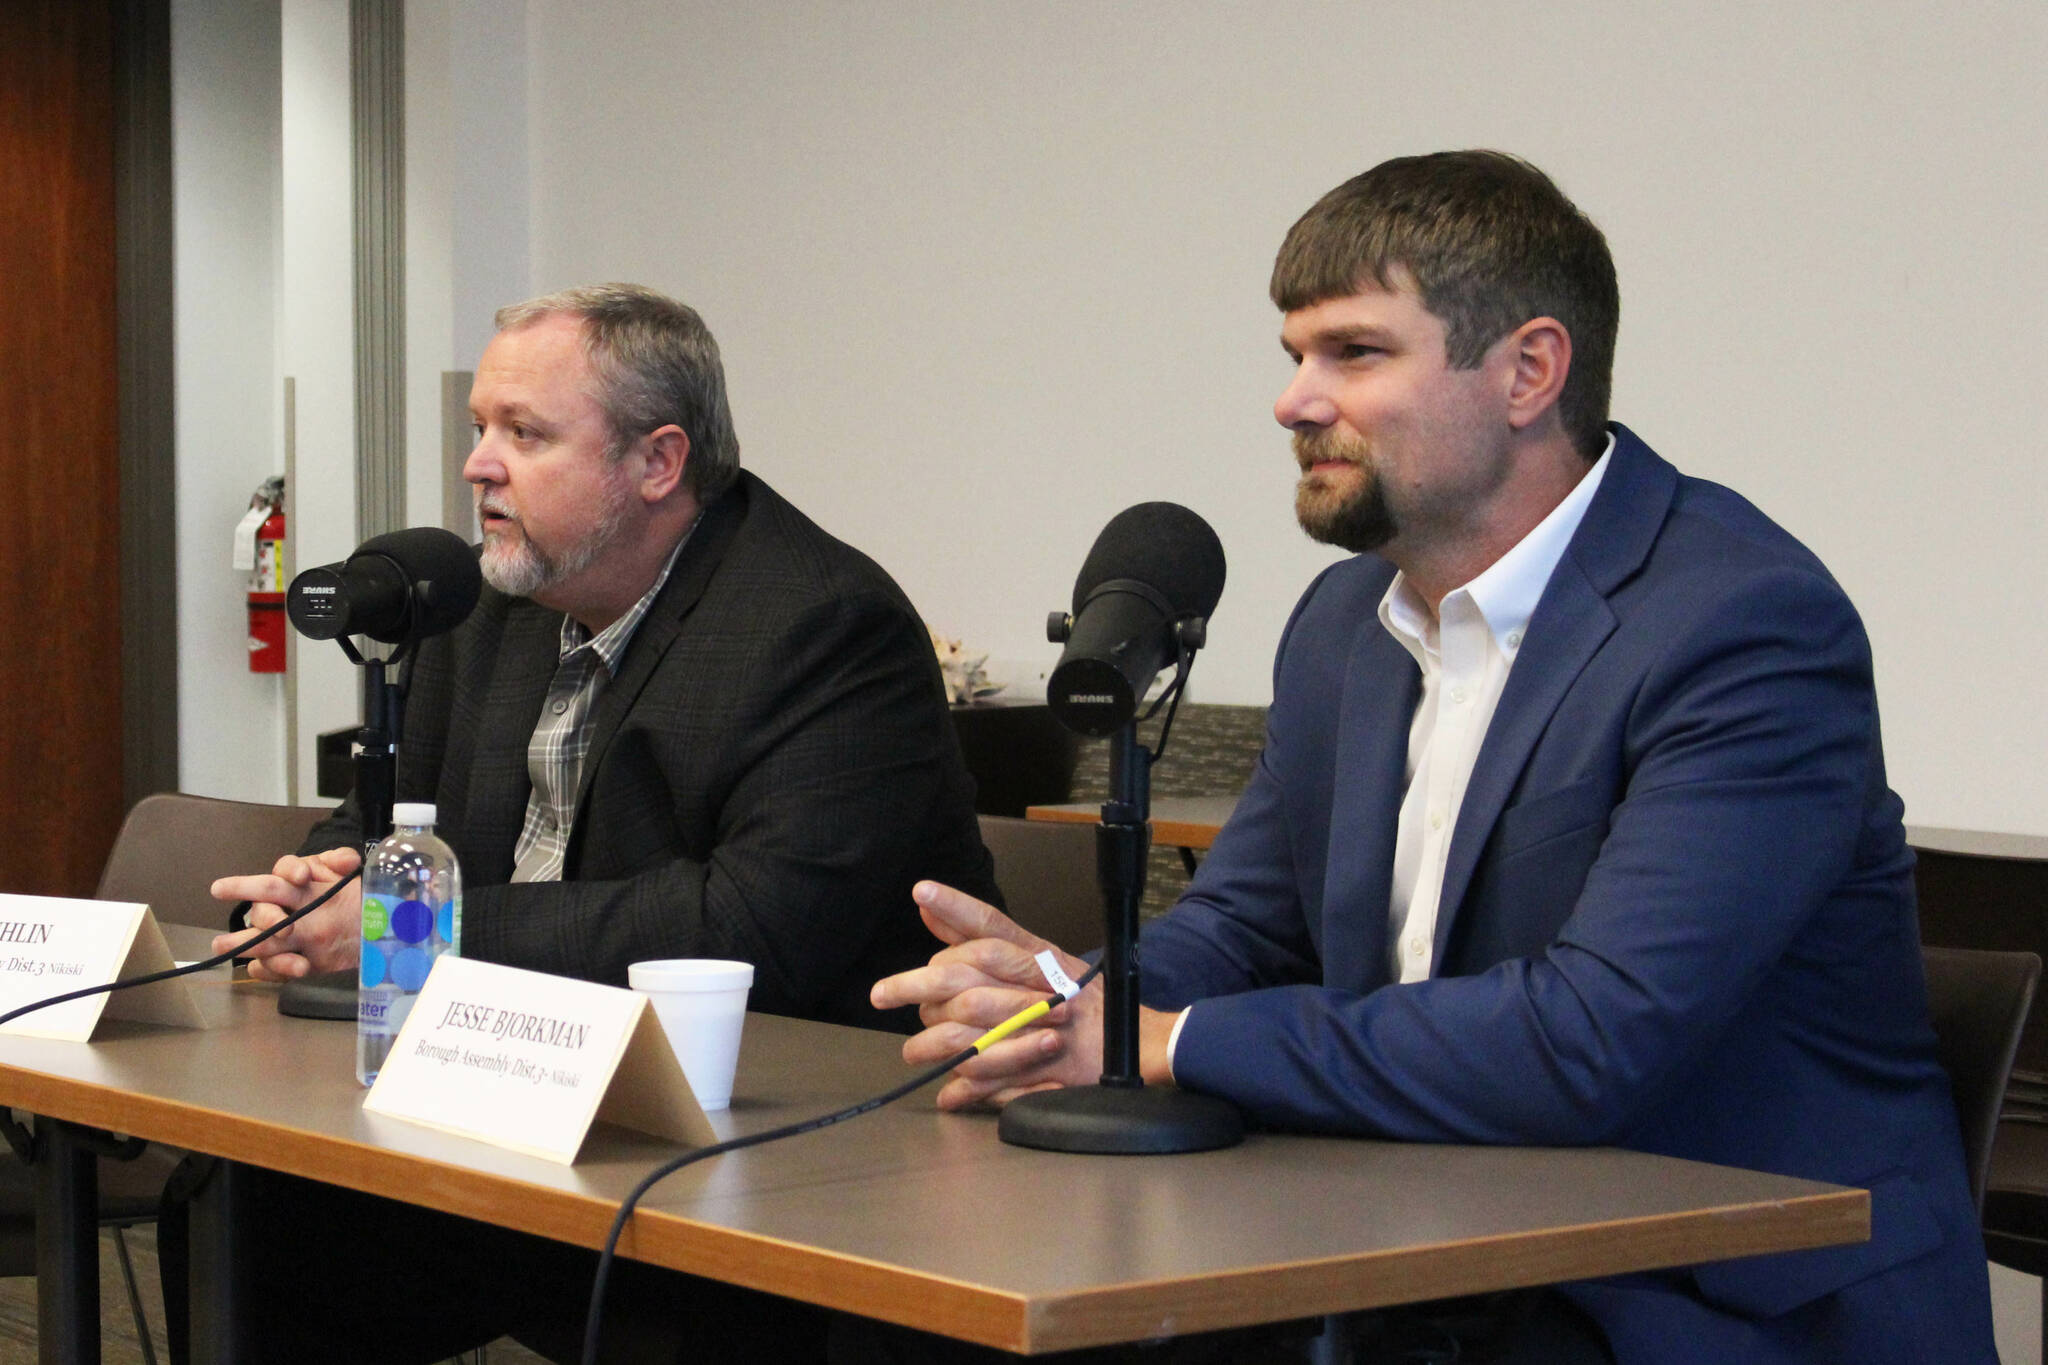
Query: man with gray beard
[{"x": 683, "y": 721}]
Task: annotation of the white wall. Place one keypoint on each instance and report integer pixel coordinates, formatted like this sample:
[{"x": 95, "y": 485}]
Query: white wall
[
  {"x": 225, "y": 188},
  {"x": 986, "y": 274},
  {"x": 467, "y": 208},
  {"x": 429, "y": 276},
  {"x": 316, "y": 341},
  {"x": 489, "y": 167},
  {"x": 263, "y": 292}
]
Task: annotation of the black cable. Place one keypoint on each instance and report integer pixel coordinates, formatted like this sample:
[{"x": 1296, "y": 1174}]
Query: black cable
[
  {"x": 594, "y": 1319},
  {"x": 1173, "y": 694},
  {"x": 189, "y": 968}
]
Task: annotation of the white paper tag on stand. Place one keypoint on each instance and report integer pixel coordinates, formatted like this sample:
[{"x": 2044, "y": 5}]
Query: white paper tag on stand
[{"x": 527, "y": 1061}]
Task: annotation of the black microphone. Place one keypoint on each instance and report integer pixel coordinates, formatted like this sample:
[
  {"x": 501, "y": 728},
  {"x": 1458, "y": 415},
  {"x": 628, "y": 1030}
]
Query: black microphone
[
  {"x": 400, "y": 586},
  {"x": 1144, "y": 592}
]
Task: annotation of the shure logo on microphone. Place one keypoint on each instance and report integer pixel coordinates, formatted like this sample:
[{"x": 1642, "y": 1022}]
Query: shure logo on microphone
[
  {"x": 324, "y": 591},
  {"x": 1091, "y": 699}
]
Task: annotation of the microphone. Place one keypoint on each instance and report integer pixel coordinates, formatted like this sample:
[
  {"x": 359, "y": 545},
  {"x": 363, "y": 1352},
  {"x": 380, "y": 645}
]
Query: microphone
[
  {"x": 397, "y": 587},
  {"x": 1144, "y": 593}
]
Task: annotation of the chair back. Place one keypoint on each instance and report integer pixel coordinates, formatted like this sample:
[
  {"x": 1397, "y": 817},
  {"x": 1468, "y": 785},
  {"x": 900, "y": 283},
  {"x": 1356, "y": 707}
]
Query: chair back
[
  {"x": 172, "y": 847},
  {"x": 1978, "y": 1000},
  {"x": 1047, "y": 872}
]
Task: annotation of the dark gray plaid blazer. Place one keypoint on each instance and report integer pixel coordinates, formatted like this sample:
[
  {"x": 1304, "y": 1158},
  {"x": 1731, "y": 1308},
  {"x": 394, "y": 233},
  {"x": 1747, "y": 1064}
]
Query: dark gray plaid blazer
[{"x": 771, "y": 769}]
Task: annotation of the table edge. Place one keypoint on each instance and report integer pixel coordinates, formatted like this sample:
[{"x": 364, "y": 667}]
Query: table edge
[{"x": 931, "y": 1301}]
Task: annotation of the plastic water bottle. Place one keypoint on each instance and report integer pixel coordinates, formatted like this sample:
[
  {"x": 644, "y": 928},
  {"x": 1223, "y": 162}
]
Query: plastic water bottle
[{"x": 412, "y": 913}]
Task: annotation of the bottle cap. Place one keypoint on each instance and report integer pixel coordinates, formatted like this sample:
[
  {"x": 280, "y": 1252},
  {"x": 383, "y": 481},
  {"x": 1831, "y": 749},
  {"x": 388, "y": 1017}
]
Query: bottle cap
[{"x": 417, "y": 813}]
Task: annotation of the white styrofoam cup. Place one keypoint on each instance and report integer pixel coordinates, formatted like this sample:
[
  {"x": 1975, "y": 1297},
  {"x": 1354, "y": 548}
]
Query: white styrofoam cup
[{"x": 702, "y": 1004}]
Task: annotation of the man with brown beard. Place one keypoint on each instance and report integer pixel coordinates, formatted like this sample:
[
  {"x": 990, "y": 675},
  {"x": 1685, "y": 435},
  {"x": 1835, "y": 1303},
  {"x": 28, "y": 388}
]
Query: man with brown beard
[{"x": 1571, "y": 825}]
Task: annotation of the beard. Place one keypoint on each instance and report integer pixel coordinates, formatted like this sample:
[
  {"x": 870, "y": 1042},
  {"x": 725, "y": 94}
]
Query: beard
[
  {"x": 517, "y": 567},
  {"x": 1358, "y": 521}
]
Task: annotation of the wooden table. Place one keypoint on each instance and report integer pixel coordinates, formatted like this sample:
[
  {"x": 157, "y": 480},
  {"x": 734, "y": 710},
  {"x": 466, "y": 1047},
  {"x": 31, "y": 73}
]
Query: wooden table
[
  {"x": 924, "y": 1218},
  {"x": 1180, "y": 821}
]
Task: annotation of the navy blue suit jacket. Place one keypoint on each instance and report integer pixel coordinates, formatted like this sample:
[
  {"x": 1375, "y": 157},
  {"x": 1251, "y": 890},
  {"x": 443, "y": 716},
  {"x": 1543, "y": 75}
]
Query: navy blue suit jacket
[{"x": 1677, "y": 916}]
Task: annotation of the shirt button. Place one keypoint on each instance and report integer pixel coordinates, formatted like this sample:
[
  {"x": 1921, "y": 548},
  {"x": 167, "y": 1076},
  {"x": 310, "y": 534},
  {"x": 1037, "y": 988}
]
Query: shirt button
[
  {"x": 1436, "y": 819},
  {"x": 1458, "y": 695},
  {"x": 1514, "y": 639},
  {"x": 1415, "y": 947},
  {"x": 559, "y": 707}
]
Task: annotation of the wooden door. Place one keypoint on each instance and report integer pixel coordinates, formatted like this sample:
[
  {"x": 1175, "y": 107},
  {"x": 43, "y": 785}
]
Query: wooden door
[{"x": 60, "y": 593}]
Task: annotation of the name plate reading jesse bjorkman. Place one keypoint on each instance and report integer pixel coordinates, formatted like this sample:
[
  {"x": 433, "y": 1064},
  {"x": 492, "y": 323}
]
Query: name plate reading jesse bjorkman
[
  {"x": 51, "y": 946},
  {"x": 526, "y": 1061}
]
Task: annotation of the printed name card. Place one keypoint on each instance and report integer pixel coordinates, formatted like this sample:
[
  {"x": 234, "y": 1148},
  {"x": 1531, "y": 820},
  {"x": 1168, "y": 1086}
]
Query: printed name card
[
  {"x": 526, "y": 1061},
  {"x": 50, "y": 946}
]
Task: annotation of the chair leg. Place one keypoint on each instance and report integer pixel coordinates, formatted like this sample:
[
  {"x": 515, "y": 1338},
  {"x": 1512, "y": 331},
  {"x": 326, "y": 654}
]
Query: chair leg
[
  {"x": 134, "y": 1296},
  {"x": 1333, "y": 1346}
]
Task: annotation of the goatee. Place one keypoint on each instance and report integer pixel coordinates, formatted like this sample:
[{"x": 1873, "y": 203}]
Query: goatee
[
  {"x": 517, "y": 567},
  {"x": 1358, "y": 521}
]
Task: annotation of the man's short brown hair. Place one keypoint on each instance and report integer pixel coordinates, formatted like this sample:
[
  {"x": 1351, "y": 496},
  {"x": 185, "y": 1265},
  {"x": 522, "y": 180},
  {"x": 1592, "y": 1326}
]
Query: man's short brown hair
[{"x": 1490, "y": 243}]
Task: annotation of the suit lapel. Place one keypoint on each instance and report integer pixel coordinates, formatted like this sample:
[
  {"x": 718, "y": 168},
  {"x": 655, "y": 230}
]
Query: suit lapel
[
  {"x": 1572, "y": 620},
  {"x": 658, "y": 630},
  {"x": 1381, "y": 687}
]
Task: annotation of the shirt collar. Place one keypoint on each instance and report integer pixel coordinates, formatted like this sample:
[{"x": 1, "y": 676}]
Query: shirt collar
[
  {"x": 1507, "y": 592},
  {"x": 610, "y": 643}
]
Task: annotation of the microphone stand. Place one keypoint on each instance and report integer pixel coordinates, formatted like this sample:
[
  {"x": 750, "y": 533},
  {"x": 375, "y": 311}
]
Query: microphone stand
[
  {"x": 1122, "y": 1114},
  {"x": 332, "y": 995}
]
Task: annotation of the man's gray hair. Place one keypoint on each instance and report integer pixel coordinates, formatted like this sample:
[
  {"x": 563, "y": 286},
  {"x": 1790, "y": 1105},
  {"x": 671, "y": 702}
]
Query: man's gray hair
[{"x": 655, "y": 363}]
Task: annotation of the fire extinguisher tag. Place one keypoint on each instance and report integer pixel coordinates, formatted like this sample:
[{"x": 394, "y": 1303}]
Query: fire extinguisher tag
[{"x": 245, "y": 537}]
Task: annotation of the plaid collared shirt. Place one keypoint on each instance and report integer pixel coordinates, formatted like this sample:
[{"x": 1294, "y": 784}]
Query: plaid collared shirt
[{"x": 561, "y": 740}]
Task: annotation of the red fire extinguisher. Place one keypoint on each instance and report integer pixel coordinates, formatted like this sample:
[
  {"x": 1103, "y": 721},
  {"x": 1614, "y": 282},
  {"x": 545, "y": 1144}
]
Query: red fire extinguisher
[{"x": 265, "y": 559}]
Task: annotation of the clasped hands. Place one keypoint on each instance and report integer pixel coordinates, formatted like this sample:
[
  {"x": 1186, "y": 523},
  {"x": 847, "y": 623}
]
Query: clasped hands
[
  {"x": 987, "y": 973},
  {"x": 328, "y": 940}
]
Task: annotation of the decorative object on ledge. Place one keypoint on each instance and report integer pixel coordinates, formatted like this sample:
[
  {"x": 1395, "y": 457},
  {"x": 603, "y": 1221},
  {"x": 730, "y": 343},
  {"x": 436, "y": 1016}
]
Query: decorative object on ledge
[{"x": 966, "y": 679}]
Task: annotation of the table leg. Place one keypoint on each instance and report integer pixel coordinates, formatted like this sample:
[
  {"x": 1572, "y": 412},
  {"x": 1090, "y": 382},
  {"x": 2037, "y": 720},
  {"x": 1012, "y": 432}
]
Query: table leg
[
  {"x": 220, "y": 1276},
  {"x": 67, "y": 1245}
]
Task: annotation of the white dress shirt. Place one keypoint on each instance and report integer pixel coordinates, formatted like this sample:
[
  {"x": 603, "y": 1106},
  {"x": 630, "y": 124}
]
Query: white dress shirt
[{"x": 1465, "y": 650}]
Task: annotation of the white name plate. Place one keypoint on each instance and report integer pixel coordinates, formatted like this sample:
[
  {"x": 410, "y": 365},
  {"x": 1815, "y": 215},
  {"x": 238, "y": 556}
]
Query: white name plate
[
  {"x": 526, "y": 1061},
  {"x": 50, "y": 946}
]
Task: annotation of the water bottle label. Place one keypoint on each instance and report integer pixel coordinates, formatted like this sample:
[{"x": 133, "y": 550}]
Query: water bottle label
[
  {"x": 409, "y": 968},
  {"x": 412, "y": 921},
  {"x": 374, "y": 1015},
  {"x": 449, "y": 923},
  {"x": 376, "y": 919}
]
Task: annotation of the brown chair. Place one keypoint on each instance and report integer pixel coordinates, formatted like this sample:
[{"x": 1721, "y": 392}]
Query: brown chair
[
  {"x": 1978, "y": 1001},
  {"x": 1047, "y": 873},
  {"x": 1991, "y": 891},
  {"x": 172, "y": 847},
  {"x": 169, "y": 851}
]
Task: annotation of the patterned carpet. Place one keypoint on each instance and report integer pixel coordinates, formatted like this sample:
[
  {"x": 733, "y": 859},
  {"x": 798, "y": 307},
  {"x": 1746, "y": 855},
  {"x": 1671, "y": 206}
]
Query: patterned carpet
[{"x": 118, "y": 1340}]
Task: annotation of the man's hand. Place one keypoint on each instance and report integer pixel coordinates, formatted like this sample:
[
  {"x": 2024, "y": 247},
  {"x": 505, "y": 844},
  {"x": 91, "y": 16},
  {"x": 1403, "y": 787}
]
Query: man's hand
[
  {"x": 985, "y": 975},
  {"x": 328, "y": 940}
]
